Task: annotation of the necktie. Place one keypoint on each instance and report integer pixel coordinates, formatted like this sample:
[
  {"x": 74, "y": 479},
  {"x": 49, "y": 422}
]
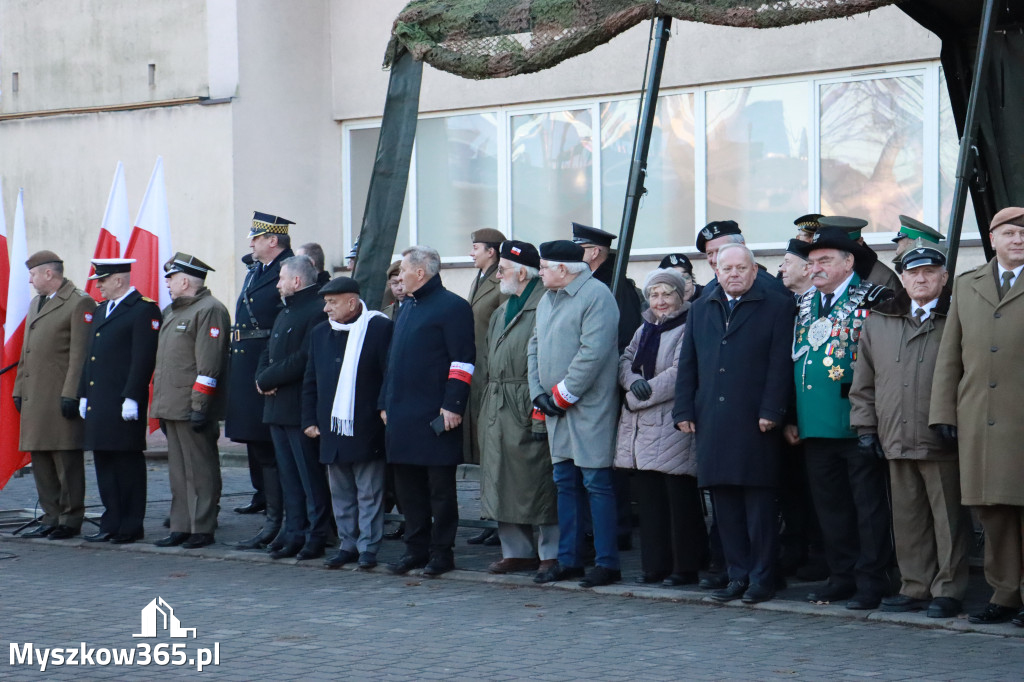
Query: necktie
[
  {"x": 1004, "y": 288},
  {"x": 826, "y": 304},
  {"x": 110, "y": 309},
  {"x": 919, "y": 316},
  {"x": 42, "y": 302},
  {"x": 732, "y": 304}
]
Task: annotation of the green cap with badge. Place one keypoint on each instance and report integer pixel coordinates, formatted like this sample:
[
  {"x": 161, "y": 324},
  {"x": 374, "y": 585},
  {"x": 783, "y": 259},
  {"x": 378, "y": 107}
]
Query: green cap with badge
[{"x": 915, "y": 229}]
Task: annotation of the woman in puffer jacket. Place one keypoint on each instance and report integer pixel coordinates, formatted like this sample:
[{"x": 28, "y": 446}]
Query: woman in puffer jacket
[{"x": 673, "y": 537}]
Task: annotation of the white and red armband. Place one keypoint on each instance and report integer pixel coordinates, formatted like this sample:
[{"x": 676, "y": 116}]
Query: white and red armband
[
  {"x": 463, "y": 371},
  {"x": 562, "y": 397},
  {"x": 537, "y": 415},
  {"x": 204, "y": 384}
]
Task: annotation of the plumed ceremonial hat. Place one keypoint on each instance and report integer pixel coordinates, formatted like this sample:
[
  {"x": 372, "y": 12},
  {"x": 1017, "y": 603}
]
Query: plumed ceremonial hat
[
  {"x": 189, "y": 265},
  {"x": 264, "y": 223},
  {"x": 42, "y": 257},
  {"x": 523, "y": 253},
  {"x": 110, "y": 266},
  {"x": 584, "y": 234},
  {"x": 561, "y": 251},
  {"x": 714, "y": 230},
  {"x": 487, "y": 235},
  {"x": 340, "y": 285}
]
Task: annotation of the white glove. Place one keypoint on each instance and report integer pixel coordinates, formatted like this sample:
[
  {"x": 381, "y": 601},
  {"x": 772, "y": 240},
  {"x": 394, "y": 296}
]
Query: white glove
[
  {"x": 129, "y": 410},
  {"x": 82, "y": 403}
]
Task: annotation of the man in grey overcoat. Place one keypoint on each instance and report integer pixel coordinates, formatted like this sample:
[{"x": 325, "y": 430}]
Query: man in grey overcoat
[{"x": 573, "y": 362}]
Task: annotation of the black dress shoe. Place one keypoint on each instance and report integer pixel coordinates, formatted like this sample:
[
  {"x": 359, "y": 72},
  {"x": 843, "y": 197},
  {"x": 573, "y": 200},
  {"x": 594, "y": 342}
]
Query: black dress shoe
[
  {"x": 172, "y": 540},
  {"x": 252, "y": 508},
  {"x": 1018, "y": 620},
  {"x": 63, "y": 533},
  {"x": 406, "y": 564},
  {"x": 40, "y": 531},
  {"x": 310, "y": 551},
  {"x": 832, "y": 592},
  {"x": 367, "y": 560},
  {"x": 288, "y": 551},
  {"x": 481, "y": 537},
  {"x": 126, "y": 538},
  {"x": 864, "y": 601},
  {"x": 756, "y": 594},
  {"x": 648, "y": 578},
  {"x": 734, "y": 590},
  {"x": 438, "y": 566},
  {"x": 493, "y": 541},
  {"x": 396, "y": 534},
  {"x": 558, "y": 572},
  {"x": 677, "y": 579},
  {"x": 714, "y": 581},
  {"x": 601, "y": 575},
  {"x": 944, "y": 607},
  {"x": 197, "y": 540},
  {"x": 901, "y": 603},
  {"x": 993, "y": 613},
  {"x": 99, "y": 537},
  {"x": 342, "y": 557}
]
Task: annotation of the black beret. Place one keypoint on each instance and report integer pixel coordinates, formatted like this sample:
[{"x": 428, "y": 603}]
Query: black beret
[
  {"x": 714, "y": 230},
  {"x": 676, "y": 260},
  {"x": 798, "y": 248},
  {"x": 340, "y": 285},
  {"x": 561, "y": 251},
  {"x": 584, "y": 234},
  {"x": 523, "y": 253}
]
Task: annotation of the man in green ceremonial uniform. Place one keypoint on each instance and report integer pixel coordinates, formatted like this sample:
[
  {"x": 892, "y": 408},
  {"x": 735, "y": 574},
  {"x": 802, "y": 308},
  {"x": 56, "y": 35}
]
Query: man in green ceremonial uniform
[{"x": 847, "y": 486}]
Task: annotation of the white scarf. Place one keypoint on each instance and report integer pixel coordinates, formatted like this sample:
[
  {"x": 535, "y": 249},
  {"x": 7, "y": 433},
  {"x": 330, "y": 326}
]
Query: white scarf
[{"x": 343, "y": 410}]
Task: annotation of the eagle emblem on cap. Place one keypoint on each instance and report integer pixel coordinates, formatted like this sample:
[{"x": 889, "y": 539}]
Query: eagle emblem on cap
[
  {"x": 673, "y": 260},
  {"x": 707, "y": 233},
  {"x": 214, "y": 332}
]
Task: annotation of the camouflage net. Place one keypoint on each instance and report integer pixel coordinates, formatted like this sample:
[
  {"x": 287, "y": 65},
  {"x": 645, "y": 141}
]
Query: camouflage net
[{"x": 499, "y": 38}]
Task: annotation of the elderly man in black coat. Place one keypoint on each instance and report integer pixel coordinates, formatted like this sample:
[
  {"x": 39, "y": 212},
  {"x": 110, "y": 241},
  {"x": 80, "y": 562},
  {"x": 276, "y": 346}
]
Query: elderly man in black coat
[
  {"x": 732, "y": 391},
  {"x": 426, "y": 390},
  {"x": 347, "y": 360}
]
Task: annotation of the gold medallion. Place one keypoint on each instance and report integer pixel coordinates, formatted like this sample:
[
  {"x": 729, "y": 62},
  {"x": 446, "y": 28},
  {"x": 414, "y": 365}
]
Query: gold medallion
[
  {"x": 827, "y": 361},
  {"x": 835, "y": 374}
]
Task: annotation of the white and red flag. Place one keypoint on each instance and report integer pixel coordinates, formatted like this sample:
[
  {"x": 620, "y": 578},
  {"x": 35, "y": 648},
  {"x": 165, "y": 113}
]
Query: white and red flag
[
  {"x": 19, "y": 295},
  {"x": 5, "y": 263},
  {"x": 150, "y": 243},
  {"x": 115, "y": 230}
]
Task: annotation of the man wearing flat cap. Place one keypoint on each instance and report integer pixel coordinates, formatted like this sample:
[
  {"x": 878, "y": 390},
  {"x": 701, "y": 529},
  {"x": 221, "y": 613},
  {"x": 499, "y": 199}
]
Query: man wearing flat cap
[
  {"x": 188, "y": 398},
  {"x": 46, "y": 390},
  {"x": 913, "y": 234},
  {"x": 889, "y": 402},
  {"x": 573, "y": 374},
  {"x": 114, "y": 397},
  {"x": 340, "y": 391},
  {"x": 976, "y": 402},
  {"x": 848, "y": 486},
  {"x": 255, "y": 311},
  {"x": 516, "y": 488},
  {"x": 869, "y": 268}
]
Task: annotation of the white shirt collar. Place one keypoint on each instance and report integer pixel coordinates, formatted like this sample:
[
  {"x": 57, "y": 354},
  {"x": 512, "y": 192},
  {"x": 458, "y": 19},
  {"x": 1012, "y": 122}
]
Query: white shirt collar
[
  {"x": 927, "y": 307},
  {"x": 1015, "y": 271},
  {"x": 840, "y": 290},
  {"x": 117, "y": 301}
]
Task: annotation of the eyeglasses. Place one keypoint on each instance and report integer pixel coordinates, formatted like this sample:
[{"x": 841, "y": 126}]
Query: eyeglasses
[{"x": 502, "y": 269}]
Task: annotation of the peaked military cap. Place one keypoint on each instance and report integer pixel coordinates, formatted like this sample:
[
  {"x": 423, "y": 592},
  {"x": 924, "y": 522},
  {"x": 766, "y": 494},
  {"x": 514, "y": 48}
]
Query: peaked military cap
[
  {"x": 923, "y": 255},
  {"x": 584, "y": 234},
  {"x": 264, "y": 223},
  {"x": 714, "y": 230},
  {"x": 676, "y": 260},
  {"x": 340, "y": 285},
  {"x": 915, "y": 229},
  {"x": 111, "y": 266},
  {"x": 41, "y": 258},
  {"x": 487, "y": 235},
  {"x": 852, "y": 226},
  {"x": 561, "y": 251},
  {"x": 186, "y": 264},
  {"x": 808, "y": 223}
]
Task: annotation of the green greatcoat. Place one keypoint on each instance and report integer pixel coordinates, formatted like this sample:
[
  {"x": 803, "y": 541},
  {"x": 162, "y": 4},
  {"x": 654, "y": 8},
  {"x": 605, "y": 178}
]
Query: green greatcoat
[{"x": 823, "y": 376}]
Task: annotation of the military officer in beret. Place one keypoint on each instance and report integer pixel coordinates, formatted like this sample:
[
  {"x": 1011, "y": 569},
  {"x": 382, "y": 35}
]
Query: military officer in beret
[
  {"x": 257, "y": 306},
  {"x": 913, "y": 234},
  {"x": 806, "y": 226},
  {"x": 848, "y": 487},
  {"x": 114, "y": 395},
  {"x": 45, "y": 393},
  {"x": 869, "y": 268},
  {"x": 188, "y": 398},
  {"x": 681, "y": 263},
  {"x": 976, "y": 402}
]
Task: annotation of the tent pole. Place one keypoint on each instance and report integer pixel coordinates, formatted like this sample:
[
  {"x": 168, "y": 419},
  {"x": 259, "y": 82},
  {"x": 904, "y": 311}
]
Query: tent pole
[
  {"x": 965, "y": 165},
  {"x": 638, "y": 164}
]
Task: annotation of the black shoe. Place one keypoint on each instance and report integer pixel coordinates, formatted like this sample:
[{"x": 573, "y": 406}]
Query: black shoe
[
  {"x": 493, "y": 541},
  {"x": 367, "y": 560},
  {"x": 677, "y": 579},
  {"x": 993, "y": 613},
  {"x": 173, "y": 540},
  {"x": 406, "y": 563},
  {"x": 648, "y": 578},
  {"x": 481, "y": 537},
  {"x": 864, "y": 601},
  {"x": 714, "y": 581},
  {"x": 734, "y": 590},
  {"x": 99, "y": 537},
  {"x": 277, "y": 544},
  {"x": 832, "y": 593},
  {"x": 625, "y": 542},
  {"x": 288, "y": 551},
  {"x": 558, "y": 572},
  {"x": 40, "y": 531},
  {"x": 438, "y": 566},
  {"x": 342, "y": 557},
  {"x": 126, "y": 538},
  {"x": 396, "y": 534},
  {"x": 944, "y": 607},
  {"x": 252, "y": 508},
  {"x": 63, "y": 533},
  {"x": 756, "y": 594},
  {"x": 901, "y": 603},
  {"x": 310, "y": 551},
  {"x": 197, "y": 540},
  {"x": 599, "y": 575},
  {"x": 1018, "y": 620}
]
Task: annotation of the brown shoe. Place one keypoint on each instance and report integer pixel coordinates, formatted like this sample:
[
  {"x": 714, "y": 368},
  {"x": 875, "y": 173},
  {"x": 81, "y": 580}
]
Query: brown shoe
[
  {"x": 544, "y": 567},
  {"x": 513, "y": 565}
]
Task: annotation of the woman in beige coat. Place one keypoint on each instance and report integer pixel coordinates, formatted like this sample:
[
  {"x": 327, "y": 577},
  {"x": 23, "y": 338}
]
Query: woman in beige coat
[{"x": 673, "y": 537}]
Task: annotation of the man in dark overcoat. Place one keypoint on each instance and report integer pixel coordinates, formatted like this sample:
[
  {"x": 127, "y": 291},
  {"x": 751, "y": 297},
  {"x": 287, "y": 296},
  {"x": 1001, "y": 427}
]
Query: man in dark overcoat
[
  {"x": 255, "y": 311},
  {"x": 732, "y": 390},
  {"x": 114, "y": 396},
  {"x": 344, "y": 374},
  {"x": 279, "y": 375},
  {"x": 45, "y": 393},
  {"x": 426, "y": 392}
]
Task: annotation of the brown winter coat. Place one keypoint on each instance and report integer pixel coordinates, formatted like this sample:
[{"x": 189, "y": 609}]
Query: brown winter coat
[
  {"x": 648, "y": 439},
  {"x": 484, "y": 296},
  {"x": 979, "y": 386},
  {"x": 56, "y": 339},
  {"x": 892, "y": 386}
]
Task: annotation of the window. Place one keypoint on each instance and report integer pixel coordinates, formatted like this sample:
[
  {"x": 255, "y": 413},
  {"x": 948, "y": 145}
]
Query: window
[{"x": 362, "y": 148}]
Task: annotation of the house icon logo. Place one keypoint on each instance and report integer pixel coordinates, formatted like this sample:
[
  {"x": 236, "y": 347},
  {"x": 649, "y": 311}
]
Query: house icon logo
[{"x": 157, "y": 615}]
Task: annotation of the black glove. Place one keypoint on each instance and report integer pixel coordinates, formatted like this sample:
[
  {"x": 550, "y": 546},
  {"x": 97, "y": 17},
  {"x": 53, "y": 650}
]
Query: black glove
[
  {"x": 948, "y": 434},
  {"x": 870, "y": 445},
  {"x": 163, "y": 427},
  {"x": 546, "y": 404},
  {"x": 198, "y": 419},
  {"x": 641, "y": 389},
  {"x": 538, "y": 436},
  {"x": 17, "y": 404},
  {"x": 69, "y": 408}
]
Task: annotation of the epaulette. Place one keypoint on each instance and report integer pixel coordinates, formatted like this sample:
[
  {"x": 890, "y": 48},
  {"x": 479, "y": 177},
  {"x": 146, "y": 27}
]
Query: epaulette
[
  {"x": 878, "y": 294},
  {"x": 147, "y": 299}
]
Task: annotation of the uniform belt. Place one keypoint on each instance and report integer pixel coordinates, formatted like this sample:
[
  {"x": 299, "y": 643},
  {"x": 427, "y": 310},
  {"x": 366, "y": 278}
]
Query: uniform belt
[{"x": 246, "y": 334}]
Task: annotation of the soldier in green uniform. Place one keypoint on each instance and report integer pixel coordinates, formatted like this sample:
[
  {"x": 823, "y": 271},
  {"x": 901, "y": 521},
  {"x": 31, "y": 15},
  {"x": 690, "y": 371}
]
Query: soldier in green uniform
[
  {"x": 912, "y": 234},
  {"x": 848, "y": 488}
]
